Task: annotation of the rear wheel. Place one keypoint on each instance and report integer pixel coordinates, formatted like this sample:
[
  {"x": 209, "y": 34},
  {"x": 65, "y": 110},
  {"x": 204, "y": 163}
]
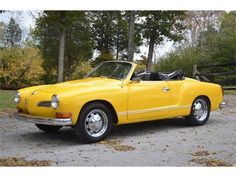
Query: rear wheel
[
  {"x": 48, "y": 128},
  {"x": 200, "y": 111},
  {"x": 94, "y": 123}
]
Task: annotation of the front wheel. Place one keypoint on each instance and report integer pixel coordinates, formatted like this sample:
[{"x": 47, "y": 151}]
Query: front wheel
[
  {"x": 48, "y": 128},
  {"x": 200, "y": 111},
  {"x": 94, "y": 123}
]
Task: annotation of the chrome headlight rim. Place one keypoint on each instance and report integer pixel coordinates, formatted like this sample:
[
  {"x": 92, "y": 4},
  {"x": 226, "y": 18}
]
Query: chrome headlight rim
[
  {"x": 55, "y": 101},
  {"x": 17, "y": 97}
]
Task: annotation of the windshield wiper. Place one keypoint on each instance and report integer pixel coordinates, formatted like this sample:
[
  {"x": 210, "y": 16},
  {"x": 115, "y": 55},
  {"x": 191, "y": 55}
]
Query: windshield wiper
[{"x": 110, "y": 77}]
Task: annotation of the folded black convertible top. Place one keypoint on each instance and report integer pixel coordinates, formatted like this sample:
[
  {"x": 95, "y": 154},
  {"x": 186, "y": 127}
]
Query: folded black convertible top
[{"x": 157, "y": 76}]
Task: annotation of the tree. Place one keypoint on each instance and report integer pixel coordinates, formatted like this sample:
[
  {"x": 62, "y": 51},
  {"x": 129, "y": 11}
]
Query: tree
[
  {"x": 103, "y": 25},
  {"x": 131, "y": 35},
  {"x": 64, "y": 39},
  {"x": 199, "y": 21},
  {"x": 2, "y": 30},
  {"x": 13, "y": 33},
  {"x": 158, "y": 25},
  {"x": 225, "y": 42},
  {"x": 62, "y": 36},
  {"x": 121, "y": 35},
  {"x": 215, "y": 44},
  {"x": 111, "y": 34}
]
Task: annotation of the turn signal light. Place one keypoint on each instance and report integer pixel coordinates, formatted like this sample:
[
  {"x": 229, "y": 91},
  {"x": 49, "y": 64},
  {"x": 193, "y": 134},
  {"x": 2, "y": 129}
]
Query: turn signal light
[{"x": 63, "y": 114}]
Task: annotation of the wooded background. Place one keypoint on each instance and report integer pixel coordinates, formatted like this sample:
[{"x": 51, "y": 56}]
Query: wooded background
[{"x": 65, "y": 45}]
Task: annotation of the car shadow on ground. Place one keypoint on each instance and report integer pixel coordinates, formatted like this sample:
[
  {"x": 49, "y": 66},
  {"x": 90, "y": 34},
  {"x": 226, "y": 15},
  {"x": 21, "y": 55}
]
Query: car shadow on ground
[
  {"x": 67, "y": 135},
  {"x": 142, "y": 128}
]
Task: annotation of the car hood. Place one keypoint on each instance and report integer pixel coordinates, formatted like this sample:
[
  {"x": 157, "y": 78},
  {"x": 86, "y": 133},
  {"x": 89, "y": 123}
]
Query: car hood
[{"x": 86, "y": 83}]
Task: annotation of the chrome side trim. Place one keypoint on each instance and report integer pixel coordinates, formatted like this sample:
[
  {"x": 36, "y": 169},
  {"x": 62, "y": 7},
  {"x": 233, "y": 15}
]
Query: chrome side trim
[
  {"x": 42, "y": 120},
  {"x": 153, "y": 110}
]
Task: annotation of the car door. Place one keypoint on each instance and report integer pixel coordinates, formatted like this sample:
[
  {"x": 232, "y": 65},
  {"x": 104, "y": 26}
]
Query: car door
[{"x": 148, "y": 100}]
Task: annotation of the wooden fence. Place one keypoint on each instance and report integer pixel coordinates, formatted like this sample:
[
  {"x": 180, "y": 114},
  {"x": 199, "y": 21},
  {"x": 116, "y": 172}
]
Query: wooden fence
[{"x": 210, "y": 77}]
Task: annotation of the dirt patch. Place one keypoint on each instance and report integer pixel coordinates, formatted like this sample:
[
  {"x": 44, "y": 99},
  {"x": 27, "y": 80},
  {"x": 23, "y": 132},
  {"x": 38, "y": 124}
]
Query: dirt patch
[
  {"x": 7, "y": 113},
  {"x": 124, "y": 148},
  {"x": 210, "y": 162},
  {"x": 22, "y": 162},
  {"x": 199, "y": 157},
  {"x": 116, "y": 145},
  {"x": 203, "y": 153}
]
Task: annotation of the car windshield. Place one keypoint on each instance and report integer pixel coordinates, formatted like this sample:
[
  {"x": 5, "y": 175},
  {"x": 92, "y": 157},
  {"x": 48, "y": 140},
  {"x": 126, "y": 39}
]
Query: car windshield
[{"x": 114, "y": 70}]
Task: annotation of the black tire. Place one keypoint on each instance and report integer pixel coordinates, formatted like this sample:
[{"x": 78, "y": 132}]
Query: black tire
[
  {"x": 48, "y": 128},
  {"x": 85, "y": 125},
  {"x": 194, "y": 118}
]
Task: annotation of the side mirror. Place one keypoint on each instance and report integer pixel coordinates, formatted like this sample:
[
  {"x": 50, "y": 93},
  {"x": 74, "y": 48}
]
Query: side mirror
[{"x": 135, "y": 80}]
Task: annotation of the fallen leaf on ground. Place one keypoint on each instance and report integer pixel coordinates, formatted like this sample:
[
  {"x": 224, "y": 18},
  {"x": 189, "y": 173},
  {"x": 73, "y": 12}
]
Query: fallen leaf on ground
[
  {"x": 202, "y": 153},
  {"x": 14, "y": 161},
  {"x": 111, "y": 141},
  {"x": 116, "y": 145},
  {"x": 124, "y": 148},
  {"x": 210, "y": 162}
]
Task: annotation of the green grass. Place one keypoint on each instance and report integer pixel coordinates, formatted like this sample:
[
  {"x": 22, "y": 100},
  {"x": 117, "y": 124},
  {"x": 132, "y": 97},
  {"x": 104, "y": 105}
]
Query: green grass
[
  {"x": 230, "y": 92},
  {"x": 7, "y": 100}
]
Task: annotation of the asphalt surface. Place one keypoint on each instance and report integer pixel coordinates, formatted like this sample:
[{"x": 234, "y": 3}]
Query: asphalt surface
[{"x": 158, "y": 143}]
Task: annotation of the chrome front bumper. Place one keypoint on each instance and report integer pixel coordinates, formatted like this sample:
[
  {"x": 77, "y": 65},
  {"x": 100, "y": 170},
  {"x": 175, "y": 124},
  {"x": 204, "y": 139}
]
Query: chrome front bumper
[
  {"x": 223, "y": 105},
  {"x": 42, "y": 120}
]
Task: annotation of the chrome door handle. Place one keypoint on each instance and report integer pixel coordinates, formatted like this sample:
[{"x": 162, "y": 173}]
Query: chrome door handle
[{"x": 165, "y": 89}]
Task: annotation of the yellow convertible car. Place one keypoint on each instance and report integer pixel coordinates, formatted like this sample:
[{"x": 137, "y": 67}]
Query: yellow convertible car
[{"x": 116, "y": 93}]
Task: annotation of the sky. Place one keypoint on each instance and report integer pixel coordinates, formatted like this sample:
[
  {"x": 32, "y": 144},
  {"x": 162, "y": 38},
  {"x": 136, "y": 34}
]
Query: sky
[{"x": 26, "y": 19}]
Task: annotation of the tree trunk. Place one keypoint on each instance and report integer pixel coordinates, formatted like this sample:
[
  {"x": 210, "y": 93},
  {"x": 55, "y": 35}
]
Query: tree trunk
[
  {"x": 150, "y": 54},
  {"x": 131, "y": 36},
  {"x": 69, "y": 68},
  {"x": 61, "y": 57},
  {"x": 117, "y": 47}
]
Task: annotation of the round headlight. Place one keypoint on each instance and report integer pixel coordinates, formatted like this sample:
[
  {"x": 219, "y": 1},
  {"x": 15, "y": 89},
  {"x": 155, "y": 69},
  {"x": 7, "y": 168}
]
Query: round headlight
[
  {"x": 55, "y": 101},
  {"x": 17, "y": 97}
]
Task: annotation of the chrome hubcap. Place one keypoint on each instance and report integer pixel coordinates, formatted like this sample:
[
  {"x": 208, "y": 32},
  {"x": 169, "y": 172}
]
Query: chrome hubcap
[
  {"x": 96, "y": 123},
  {"x": 200, "y": 109}
]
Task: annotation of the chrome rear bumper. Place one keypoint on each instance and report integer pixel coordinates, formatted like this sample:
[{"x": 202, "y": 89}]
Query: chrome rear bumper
[
  {"x": 42, "y": 120},
  {"x": 223, "y": 105}
]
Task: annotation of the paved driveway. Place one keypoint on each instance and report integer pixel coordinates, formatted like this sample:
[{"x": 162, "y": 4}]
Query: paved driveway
[{"x": 159, "y": 143}]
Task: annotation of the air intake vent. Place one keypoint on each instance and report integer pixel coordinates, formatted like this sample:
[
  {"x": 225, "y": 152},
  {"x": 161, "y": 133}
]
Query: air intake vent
[{"x": 44, "y": 104}]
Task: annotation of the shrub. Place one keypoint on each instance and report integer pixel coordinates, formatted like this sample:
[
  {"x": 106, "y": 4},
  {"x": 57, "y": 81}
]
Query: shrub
[{"x": 20, "y": 67}]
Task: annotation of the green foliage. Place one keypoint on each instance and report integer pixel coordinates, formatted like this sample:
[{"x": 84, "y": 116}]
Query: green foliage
[
  {"x": 162, "y": 24},
  {"x": 159, "y": 25},
  {"x": 13, "y": 33},
  {"x": 82, "y": 70},
  {"x": 78, "y": 42},
  {"x": 106, "y": 34},
  {"x": 179, "y": 59},
  {"x": 104, "y": 56},
  {"x": 110, "y": 33},
  {"x": 226, "y": 41},
  {"x": 217, "y": 46}
]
